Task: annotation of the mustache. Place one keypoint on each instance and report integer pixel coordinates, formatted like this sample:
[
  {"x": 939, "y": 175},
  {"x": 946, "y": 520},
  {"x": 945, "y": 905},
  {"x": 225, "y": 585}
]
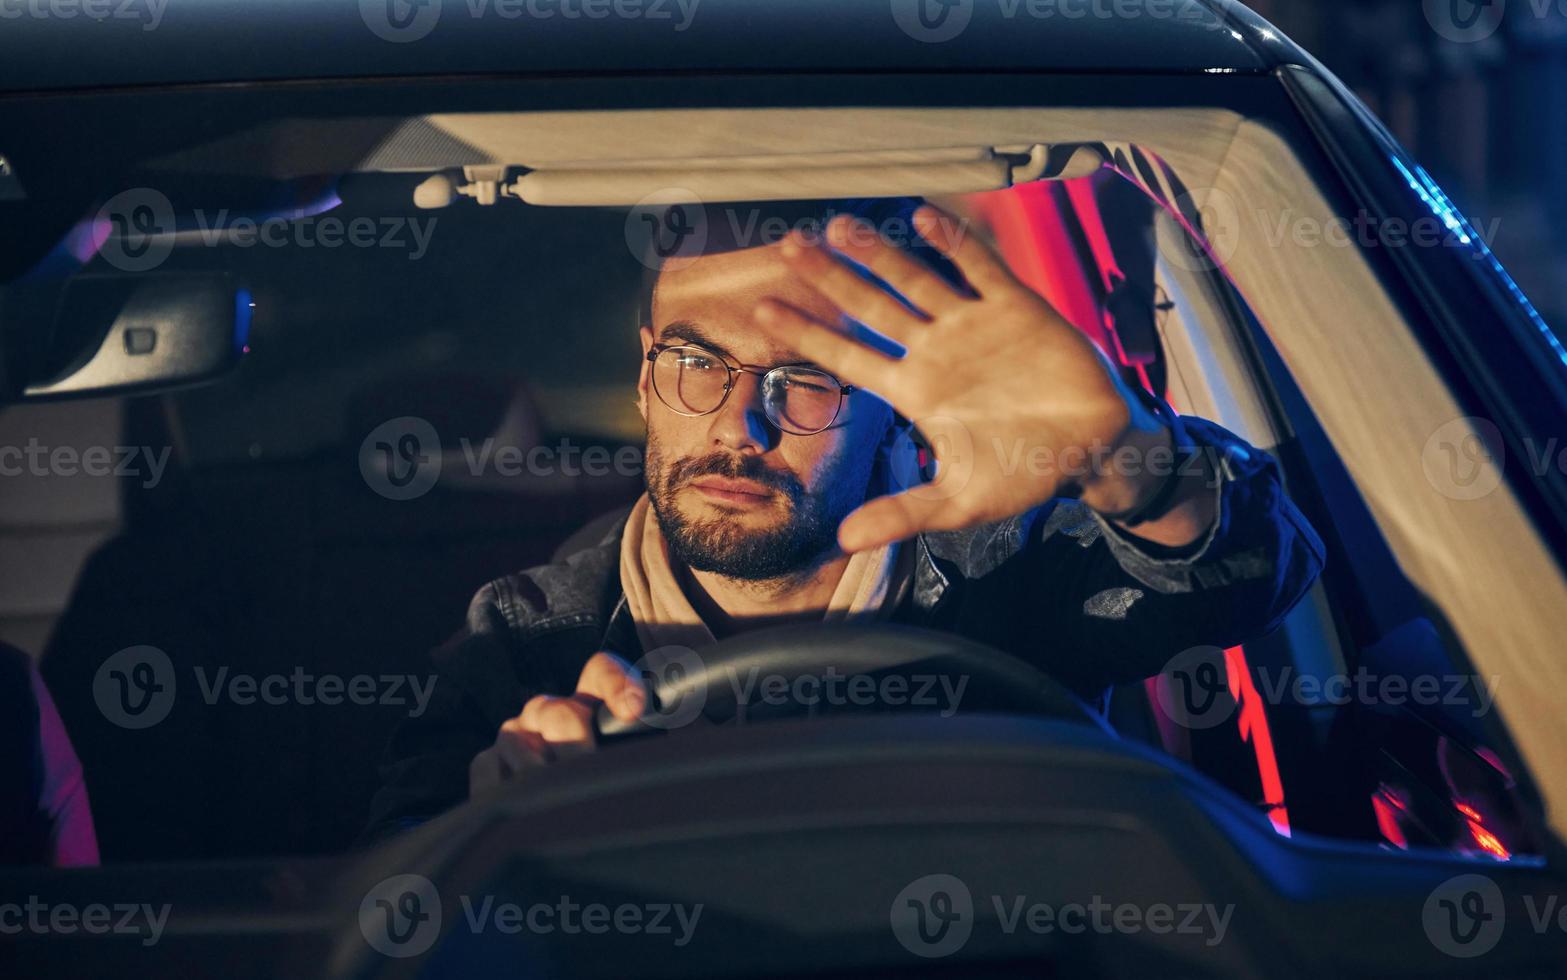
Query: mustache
[{"x": 734, "y": 468}]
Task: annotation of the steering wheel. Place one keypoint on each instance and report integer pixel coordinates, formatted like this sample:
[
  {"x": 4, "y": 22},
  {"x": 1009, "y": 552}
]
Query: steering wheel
[{"x": 822, "y": 668}]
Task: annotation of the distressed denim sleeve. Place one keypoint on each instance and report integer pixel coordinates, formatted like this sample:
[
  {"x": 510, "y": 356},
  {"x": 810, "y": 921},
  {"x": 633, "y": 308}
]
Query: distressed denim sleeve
[
  {"x": 1256, "y": 527},
  {"x": 1126, "y": 607}
]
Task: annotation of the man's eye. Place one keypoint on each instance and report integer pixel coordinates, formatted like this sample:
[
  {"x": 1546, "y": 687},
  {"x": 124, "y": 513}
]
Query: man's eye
[
  {"x": 797, "y": 384},
  {"x": 695, "y": 362}
]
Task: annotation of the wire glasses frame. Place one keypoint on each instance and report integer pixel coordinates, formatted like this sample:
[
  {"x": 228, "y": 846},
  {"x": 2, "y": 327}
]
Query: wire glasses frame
[{"x": 816, "y": 397}]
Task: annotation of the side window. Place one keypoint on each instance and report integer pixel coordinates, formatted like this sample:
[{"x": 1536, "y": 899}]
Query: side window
[
  {"x": 1354, "y": 719},
  {"x": 1376, "y": 724}
]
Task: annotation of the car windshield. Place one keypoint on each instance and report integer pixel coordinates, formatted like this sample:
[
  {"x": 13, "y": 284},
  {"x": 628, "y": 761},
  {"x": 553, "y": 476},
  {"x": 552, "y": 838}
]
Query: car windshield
[{"x": 427, "y": 435}]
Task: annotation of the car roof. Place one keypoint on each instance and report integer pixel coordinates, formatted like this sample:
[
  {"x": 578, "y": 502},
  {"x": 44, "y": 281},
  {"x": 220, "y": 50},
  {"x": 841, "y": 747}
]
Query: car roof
[{"x": 45, "y": 47}]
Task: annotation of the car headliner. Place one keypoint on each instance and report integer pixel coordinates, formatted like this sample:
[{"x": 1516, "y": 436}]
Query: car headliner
[{"x": 254, "y": 40}]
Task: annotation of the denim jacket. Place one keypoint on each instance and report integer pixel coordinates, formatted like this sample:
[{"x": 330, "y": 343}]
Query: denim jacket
[{"x": 1058, "y": 587}]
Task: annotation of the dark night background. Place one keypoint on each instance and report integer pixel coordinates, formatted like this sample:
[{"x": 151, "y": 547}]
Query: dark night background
[{"x": 1486, "y": 113}]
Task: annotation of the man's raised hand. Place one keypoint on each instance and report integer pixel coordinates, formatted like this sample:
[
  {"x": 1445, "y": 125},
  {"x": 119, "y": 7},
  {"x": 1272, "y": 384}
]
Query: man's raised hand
[{"x": 989, "y": 379}]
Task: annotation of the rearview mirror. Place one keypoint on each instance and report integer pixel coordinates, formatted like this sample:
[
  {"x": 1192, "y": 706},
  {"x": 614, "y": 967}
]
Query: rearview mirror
[{"x": 121, "y": 335}]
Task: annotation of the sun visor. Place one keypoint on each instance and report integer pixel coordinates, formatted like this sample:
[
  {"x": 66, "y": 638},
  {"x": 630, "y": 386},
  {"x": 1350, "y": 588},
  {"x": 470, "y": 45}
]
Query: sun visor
[{"x": 922, "y": 173}]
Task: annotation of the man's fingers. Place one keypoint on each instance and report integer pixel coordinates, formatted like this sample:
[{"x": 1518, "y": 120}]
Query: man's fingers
[
  {"x": 887, "y": 519},
  {"x": 608, "y": 679},
  {"x": 844, "y": 356},
  {"x": 550, "y": 727},
  {"x": 851, "y": 292},
  {"x": 561, "y": 721},
  {"x": 517, "y": 748},
  {"x": 917, "y": 282},
  {"x": 983, "y": 269}
]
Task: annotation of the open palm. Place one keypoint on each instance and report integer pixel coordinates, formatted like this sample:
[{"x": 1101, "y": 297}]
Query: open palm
[{"x": 1011, "y": 397}]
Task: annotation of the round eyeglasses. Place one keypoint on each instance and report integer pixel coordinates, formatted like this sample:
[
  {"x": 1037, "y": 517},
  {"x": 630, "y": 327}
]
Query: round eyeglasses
[{"x": 693, "y": 381}]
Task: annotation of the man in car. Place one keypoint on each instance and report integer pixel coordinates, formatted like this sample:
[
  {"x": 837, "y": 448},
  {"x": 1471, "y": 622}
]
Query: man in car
[{"x": 1071, "y": 520}]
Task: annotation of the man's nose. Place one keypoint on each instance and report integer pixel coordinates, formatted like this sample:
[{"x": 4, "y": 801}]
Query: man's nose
[{"x": 741, "y": 424}]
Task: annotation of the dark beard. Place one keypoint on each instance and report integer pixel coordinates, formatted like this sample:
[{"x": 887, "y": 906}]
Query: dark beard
[{"x": 793, "y": 548}]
